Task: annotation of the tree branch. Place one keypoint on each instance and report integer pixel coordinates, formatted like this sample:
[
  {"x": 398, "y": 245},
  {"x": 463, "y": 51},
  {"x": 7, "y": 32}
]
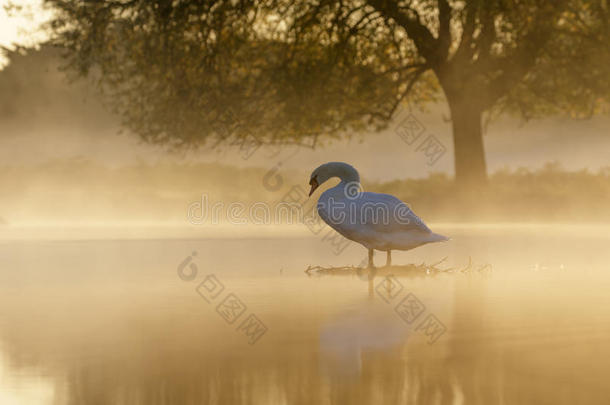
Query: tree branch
[
  {"x": 487, "y": 36},
  {"x": 444, "y": 32},
  {"x": 464, "y": 51},
  {"x": 424, "y": 41}
]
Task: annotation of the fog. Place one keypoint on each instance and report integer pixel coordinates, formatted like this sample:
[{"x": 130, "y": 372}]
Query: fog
[
  {"x": 136, "y": 274},
  {"x": 46, "y": 116},
  {"x": 65, "y": 162}
]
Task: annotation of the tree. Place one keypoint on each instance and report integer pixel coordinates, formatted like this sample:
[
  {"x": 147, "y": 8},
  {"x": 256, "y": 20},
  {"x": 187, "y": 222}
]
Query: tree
[{"x": 179, "y": 72}]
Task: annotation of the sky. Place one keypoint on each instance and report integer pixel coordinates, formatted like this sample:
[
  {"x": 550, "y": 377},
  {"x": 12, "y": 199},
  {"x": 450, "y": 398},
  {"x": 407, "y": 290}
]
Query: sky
[{"x": 21, "y": 28}]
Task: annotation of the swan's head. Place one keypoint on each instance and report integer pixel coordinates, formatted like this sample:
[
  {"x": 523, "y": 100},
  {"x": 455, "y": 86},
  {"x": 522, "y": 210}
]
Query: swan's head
[{"x": 332, "y": 169}]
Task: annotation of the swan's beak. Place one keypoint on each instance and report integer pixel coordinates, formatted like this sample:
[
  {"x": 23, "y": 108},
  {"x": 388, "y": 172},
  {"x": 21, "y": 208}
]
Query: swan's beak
[{"x": 314, "y": 184}]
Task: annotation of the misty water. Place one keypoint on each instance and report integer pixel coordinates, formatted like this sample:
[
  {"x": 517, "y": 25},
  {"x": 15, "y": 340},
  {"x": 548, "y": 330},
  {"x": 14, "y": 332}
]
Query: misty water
[{"x": 109, "y": 320}]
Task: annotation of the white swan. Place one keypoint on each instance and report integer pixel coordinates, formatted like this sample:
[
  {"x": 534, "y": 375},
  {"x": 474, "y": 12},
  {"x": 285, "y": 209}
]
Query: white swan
[{"x": 376, "y": 221}]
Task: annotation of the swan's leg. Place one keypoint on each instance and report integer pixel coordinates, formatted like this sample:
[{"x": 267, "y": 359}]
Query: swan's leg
[
  {"x": 388, "y": 262},
  {"x": 371, "y": 264}
]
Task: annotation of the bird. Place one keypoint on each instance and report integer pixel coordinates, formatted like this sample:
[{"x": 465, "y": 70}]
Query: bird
[{"x": 376, "y": 221}]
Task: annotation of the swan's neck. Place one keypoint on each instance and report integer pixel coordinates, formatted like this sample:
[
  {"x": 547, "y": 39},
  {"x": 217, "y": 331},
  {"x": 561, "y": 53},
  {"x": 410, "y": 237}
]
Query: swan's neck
[
  {"x": 350, "y": 181},
  {"x": 346, "y": 173}
]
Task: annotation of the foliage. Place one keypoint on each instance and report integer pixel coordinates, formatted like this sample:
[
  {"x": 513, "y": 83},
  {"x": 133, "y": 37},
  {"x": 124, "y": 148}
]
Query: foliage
[{"x": 184, "y": 73}]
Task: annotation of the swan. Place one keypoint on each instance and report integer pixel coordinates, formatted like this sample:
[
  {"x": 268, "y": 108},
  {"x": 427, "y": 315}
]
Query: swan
[{"x": 376, "y": 221}]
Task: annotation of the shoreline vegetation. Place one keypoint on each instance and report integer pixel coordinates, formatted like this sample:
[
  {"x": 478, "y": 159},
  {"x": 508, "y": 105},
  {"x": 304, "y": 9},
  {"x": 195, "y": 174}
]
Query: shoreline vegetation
[{"x": 80, "y": 191}]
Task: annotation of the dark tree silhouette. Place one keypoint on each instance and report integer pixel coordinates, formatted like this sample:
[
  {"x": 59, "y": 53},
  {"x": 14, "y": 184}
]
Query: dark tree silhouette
[{"x": 187, "y": 73}]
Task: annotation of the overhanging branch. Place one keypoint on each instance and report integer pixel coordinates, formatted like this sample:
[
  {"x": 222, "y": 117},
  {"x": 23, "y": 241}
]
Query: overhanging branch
[{"x": 421, "y": 36}]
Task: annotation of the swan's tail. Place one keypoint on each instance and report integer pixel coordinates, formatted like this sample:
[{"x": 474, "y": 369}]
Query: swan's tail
[{"x": 435, "y": 237}]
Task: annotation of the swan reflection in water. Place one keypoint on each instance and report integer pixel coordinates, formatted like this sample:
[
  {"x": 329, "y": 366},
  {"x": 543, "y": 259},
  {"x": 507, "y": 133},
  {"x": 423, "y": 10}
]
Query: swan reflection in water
[
  {"x": 369, "y": 328},
  {"x": 373, "y": 326}
]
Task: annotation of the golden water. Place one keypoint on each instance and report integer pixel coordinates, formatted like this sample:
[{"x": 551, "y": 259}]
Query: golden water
[{"x": 108, "y": 321}]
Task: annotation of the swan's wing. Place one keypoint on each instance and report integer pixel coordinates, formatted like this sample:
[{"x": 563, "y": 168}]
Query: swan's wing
[
  {"x": 401, "y": 217},
  {"x": 371, "y": 212}
]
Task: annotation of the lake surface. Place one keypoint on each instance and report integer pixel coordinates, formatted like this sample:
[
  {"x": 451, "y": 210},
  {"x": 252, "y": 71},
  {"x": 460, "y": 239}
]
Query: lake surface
[{"x": 146, "y": 321}]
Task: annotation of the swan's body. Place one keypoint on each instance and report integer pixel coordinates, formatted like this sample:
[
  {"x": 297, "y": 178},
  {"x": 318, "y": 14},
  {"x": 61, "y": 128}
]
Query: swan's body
[{"x": 376, "y": 221}]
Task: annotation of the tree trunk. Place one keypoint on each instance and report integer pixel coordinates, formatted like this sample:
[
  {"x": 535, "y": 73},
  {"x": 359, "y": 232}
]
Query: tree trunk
[{"x": 470, "y": 167}]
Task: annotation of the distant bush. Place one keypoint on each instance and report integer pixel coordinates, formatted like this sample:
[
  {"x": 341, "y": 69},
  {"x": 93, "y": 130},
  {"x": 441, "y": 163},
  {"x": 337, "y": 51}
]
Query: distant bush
[
  {"x": 550, "y": 194},
  {"x": 78, "y": 190}
]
